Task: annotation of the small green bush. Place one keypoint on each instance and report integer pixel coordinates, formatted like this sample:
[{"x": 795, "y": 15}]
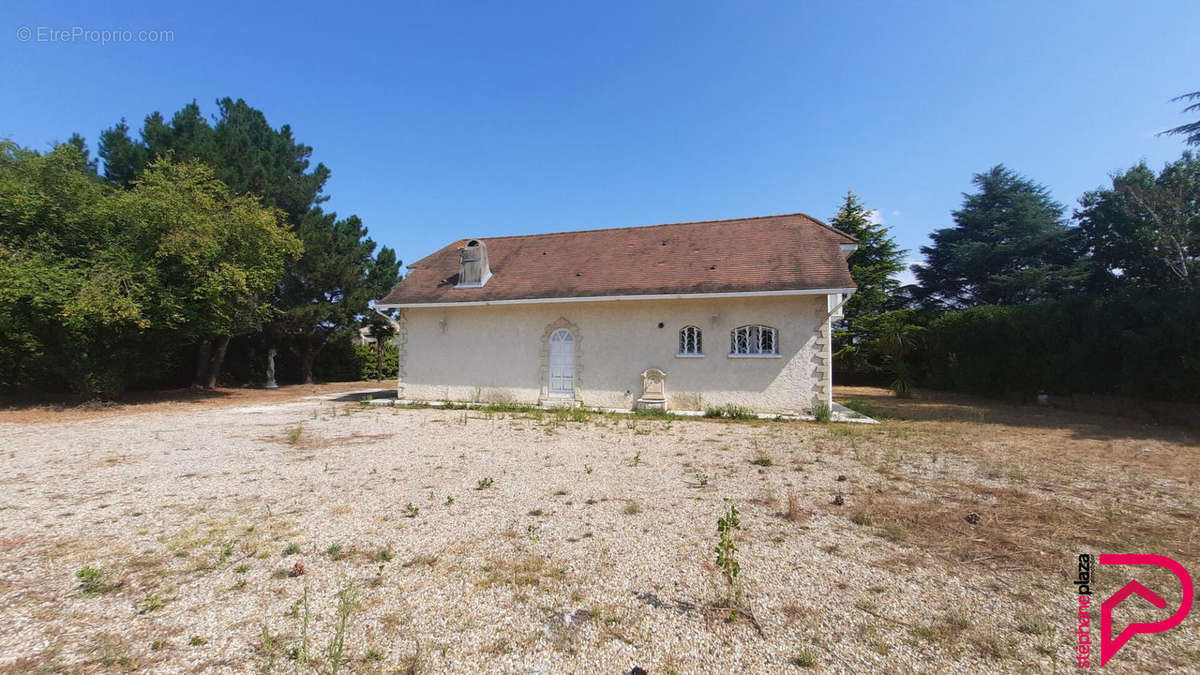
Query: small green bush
[
  {"x": 344, "y": 359},
  {"x": 89, "y": 578},
  {"x": 655, "y": 413},
  {"x": 91, "y": 582},
  {"x": 367, "y": 363},
  {"x": 729, "y": 411},
  {"x": 151, "y": 603},
  {"x": 822, "y": 413},
  {"x": 804, "y": 659},
  {"x": 500, "y": 407},
  {"x": 726, "y": 549}
]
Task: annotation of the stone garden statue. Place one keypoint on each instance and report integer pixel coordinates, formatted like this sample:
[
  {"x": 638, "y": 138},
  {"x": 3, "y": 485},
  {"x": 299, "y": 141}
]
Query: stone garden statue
[{"x": 271, "y": 369}]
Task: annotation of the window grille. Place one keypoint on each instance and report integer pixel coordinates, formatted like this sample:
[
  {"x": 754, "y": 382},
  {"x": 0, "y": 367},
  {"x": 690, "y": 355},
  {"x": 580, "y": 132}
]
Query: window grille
[
  {"x": 690, "y": 341},
  {"x": 753, "y": 341}
]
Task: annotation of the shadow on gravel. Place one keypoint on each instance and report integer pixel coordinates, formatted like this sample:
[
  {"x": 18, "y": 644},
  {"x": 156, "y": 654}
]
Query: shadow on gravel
[
  {"x": 359, "y": 396},
  {"x": 129, "y": 398},
  {"x": 941, "y": 406}
]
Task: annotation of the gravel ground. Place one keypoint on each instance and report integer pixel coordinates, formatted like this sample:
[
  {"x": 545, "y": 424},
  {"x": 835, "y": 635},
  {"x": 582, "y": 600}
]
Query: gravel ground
[{"x": 480, "y": 542}]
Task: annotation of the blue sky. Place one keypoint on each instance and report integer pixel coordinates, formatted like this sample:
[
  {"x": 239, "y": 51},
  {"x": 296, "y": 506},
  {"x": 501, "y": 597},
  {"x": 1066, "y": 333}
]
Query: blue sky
[{"x": 441, "y": 121}]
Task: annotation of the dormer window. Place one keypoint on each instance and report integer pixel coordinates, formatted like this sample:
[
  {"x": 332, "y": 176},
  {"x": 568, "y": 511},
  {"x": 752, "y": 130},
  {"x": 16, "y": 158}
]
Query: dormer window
[{"x": 473, "y": 269}]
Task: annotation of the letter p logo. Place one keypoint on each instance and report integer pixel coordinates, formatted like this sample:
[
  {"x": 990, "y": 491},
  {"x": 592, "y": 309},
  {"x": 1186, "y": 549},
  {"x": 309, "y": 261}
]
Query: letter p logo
[{"x": 1108, "y": 646}]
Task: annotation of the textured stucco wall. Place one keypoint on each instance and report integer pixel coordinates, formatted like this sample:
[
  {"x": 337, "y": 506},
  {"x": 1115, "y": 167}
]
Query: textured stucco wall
[{"x": 498, "y": 353}]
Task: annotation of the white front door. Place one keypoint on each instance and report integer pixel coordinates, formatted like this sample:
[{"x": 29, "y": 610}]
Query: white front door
[{"x": 562, "y": 363}]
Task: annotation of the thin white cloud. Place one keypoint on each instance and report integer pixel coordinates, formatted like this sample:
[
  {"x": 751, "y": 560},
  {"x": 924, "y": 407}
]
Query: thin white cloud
[
  {"x": 906, "y": 276},
  {"x": 875, "y": 216}
]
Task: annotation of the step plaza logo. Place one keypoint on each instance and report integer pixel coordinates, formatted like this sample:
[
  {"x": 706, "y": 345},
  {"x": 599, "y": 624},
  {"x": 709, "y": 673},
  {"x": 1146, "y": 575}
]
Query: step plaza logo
[{"x": 1108, "y": 645}]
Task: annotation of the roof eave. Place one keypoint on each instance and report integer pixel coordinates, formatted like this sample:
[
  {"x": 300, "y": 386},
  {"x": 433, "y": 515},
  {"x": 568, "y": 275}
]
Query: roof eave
[{"x": 615, "y": 298}]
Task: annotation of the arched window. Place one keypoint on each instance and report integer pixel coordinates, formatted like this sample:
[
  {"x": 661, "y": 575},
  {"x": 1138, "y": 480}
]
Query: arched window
[
  {"x": 753, "y": 341},
  {"x": 690, "y": 342}
]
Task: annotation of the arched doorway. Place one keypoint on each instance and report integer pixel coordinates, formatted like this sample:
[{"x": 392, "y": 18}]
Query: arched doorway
[{"x": 561, "y": 364}]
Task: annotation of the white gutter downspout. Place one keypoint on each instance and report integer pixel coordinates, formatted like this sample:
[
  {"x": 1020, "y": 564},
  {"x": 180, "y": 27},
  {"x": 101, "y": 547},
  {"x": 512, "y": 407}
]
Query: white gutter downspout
[
  {"x": 845, "y": 297},
  {"x": 828, "y": 330},
  {"x": 389, "y": 319},
  {"x": 847, "y": 251}
]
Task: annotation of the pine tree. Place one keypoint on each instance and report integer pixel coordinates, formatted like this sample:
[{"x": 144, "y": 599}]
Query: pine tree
[
  {"x": 1191, "y": 130},
  {"x": 872, "y": 266},
  {"x": 874, "y": 263},
  {"x": 1009, "y": 245},
  {"x": 332, "y": 285}
]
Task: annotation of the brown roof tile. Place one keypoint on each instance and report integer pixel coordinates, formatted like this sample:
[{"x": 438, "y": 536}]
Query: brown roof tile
[{"x": 767, "y": 253}]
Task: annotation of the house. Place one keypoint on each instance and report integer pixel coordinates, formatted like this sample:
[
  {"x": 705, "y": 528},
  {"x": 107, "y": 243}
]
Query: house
[{"x": 681, "y": 316}]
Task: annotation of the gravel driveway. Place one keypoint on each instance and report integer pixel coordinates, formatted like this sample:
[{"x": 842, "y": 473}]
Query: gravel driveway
[{"x": 471, "y": 541}]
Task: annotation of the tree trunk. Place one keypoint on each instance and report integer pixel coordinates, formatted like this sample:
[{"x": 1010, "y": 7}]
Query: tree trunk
[
  {"x": 218, "y": 359},
  {"x": 378, "y": 359},
  {"x": 307, "y": 353},
  {"x": 306, "y": 363},
  {"x": 307, "y": 356},
  {"x": 202, "y": 364}
]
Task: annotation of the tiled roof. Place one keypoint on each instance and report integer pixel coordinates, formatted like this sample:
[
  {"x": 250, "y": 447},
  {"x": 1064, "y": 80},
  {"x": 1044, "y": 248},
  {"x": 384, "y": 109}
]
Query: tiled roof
[{"x": 767, "y": 253}]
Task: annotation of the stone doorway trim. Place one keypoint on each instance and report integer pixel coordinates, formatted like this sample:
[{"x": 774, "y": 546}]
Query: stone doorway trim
[{"x": 544, "y": 397}]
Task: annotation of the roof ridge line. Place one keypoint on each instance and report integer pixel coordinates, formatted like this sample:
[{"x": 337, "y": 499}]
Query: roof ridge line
[
  {"x": 830, "y": 227},
  {"x": 646, "y": 227},
  {"x": 801, "y": 214}
]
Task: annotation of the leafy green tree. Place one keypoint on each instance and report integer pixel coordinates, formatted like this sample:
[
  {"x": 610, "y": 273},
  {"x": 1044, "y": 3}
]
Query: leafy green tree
[
  {"x": 1144, "y": 231},
  {"x": 328, "y": 290},
  {"x": 217, "y": 257},
  {"x": 1009, "y": 245},
  {"x": 1191, "y": 130},
  {"x": 46, "y": 201},
  {"x": 98, "y": 285},
  {"x": 331, "y": 287},
  {"x": 48, "y": 232}
]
